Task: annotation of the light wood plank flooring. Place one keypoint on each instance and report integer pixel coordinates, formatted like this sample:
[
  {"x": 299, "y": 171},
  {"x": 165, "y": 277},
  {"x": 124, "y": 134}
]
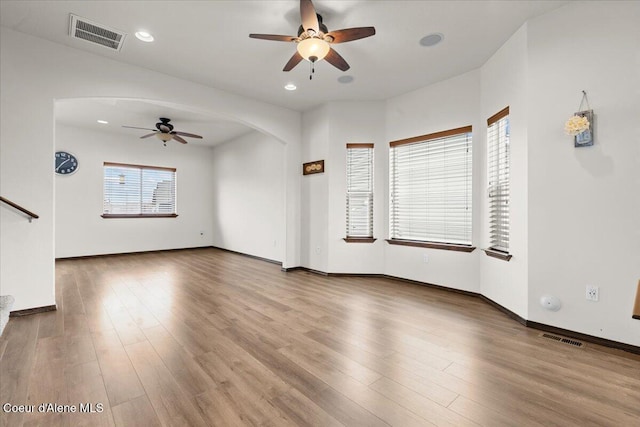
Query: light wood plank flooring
[{"x": 206, "y": 337}]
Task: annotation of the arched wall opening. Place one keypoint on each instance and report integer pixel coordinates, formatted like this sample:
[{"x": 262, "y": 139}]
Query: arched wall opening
[{"x": 35, "y": 73}]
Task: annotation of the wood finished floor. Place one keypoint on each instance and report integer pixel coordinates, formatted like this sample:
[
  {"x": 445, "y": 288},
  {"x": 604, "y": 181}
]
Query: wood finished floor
[{"x": 206, "y": 337}]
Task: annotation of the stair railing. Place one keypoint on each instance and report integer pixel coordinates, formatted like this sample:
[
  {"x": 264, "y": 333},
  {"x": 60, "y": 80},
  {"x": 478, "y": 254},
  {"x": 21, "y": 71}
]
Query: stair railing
[{"x": 16, "y": 206}]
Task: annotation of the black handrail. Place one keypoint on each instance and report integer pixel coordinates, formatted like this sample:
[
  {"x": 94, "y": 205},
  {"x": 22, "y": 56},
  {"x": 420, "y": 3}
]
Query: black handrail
[{"x": 20, "y": 208}]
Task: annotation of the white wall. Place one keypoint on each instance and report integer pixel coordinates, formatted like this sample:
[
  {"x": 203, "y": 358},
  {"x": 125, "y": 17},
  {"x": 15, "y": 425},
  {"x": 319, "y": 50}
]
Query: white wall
[
  {"x": 35, "y": 72},
  {"x": 584, "y": 203},
  {"x": 355, "y": 122},
  {"x": 315, "y": 190},
  {"x": 80, "y": 230},
  {"x": 504, "y": 83},
  {"x": 248, "y": 196},
  {"x": 450, "y": 104},
  {"x": 326, "y": 132}
]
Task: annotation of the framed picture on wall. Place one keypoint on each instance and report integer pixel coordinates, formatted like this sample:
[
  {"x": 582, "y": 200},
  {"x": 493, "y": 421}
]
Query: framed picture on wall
[{"x": 313, "y": 167}]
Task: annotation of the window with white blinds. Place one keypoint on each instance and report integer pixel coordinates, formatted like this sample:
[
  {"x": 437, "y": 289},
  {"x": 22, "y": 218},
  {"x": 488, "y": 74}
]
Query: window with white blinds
[
  {"x": 431, "y": 188},
  {"x": 360, "y": 190},
  {"x": 498, "y": 177},
  {"x": 138, "y": 191}
]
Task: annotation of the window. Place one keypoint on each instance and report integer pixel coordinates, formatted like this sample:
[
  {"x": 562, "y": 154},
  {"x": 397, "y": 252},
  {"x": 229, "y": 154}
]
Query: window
[
  {"x": 359, "y": 193},
  {"x": 138, "y": 191},
  {"x": 498, "y": 177},
  {"x": 431, "y": 189}
]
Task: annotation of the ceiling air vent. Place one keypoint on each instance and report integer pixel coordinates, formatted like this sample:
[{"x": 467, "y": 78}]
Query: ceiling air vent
[{"x": 81, "y": 28}]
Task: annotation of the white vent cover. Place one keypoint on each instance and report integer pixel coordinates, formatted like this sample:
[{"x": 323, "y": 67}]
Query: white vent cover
[{"x": 81, "y": 28}]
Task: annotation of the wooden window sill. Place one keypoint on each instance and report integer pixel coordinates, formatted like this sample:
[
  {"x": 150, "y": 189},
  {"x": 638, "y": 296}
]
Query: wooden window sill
[
  {"x": 498, "y": 254},
  {"x": 432, "y": 245},
  {"x": 139, "y": 215},
  {"x": 359, "y": 239}
]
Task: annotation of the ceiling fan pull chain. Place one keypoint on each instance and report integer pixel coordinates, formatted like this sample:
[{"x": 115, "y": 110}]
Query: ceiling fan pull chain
[{"x": 313, "y": 70}]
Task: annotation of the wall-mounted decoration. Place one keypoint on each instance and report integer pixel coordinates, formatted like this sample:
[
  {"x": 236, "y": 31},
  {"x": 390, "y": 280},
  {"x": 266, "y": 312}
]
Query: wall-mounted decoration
[
  {"x": 580, "y": 125},
  {"x": 313, "y": 167},
  {"x": 66, "y": 163}
]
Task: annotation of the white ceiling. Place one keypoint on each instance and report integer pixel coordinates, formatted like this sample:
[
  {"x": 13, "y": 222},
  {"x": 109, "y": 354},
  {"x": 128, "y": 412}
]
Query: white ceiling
[
  {"x": 207, "y": 42},
  {"x": 85, "y": 113}
]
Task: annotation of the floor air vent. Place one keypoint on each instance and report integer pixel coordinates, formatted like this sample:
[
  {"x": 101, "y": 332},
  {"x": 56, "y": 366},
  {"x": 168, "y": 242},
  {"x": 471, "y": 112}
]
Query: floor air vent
[
  {"x": 563, "y": 340},
  {"x": 83, "y": 29}
]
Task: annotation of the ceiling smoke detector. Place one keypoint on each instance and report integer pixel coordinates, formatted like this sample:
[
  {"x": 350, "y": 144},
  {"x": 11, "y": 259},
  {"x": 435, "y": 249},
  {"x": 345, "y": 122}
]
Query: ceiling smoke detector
[{"x": 431, "y": 39}]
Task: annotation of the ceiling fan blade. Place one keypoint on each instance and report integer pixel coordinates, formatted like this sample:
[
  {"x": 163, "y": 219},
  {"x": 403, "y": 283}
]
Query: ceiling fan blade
[
  {"x": 134, "y": 127},
  {"x": 295, "y": 60},
  {"x": 148, "y": 135},
  {"x": 274, "y": 37},
  {"x": 309, "y": 16},
  {"x": 336, "y": 60},
  {"x": 349, "y": 34},
  {"x": 179, "y": 139},
  {"x": 190, "y": 135}
]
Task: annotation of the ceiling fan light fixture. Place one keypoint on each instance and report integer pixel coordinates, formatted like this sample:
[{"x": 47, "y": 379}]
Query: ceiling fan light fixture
[
  {"x": 313, "y": 49},
  {"x": 164, "y": 137}
]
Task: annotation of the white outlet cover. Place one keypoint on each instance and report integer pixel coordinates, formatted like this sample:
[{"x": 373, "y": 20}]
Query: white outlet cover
[{"x": 593, "y": 293}]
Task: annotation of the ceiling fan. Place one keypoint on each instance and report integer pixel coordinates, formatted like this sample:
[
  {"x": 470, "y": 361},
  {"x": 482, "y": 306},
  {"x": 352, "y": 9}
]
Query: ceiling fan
[
  {"x": 314, "y": 39},
  {"x": 164, "y": 131}
]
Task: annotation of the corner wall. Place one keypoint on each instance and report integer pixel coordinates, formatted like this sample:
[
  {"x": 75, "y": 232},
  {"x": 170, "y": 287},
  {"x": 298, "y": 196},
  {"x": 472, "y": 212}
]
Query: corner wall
[
  {"x": 504, "y": 83},
  {"x": 355, "y": 122},
  {"x": 584, "y": 203},
  {"x": 449, "y": 104},
  {"x": 247, "y": 190},
  {"x": 315, "y": 190}
]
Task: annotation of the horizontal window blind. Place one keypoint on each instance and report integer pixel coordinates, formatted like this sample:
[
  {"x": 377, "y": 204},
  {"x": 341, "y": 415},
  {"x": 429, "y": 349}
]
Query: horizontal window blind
[
  {"x": 359, "y": 190},
  {"x": 431, "y": 188},
  {"x": 139, "y": 190},
  {"x": 498, "y": 176}
]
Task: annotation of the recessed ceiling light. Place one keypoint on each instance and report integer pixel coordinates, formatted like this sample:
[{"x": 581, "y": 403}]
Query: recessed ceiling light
[
  {"x": 103, "y": 122},
  {"x": 431, "y": 39},
  {"x": 290, "y": 86},
  {"x": 345, "y": 79},
  {"x": 144, "y": 36}
]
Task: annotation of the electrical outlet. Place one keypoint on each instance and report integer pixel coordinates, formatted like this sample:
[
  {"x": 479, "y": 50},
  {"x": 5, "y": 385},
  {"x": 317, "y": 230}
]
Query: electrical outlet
[
  {"x": 425, "y": 258},
  {"x": 593, "y": 293}
]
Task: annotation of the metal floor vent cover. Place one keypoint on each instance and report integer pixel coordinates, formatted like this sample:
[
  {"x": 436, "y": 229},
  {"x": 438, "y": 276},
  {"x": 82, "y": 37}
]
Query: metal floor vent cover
[
  {"x": 564, "y": 340},
  {"x": 92, "y": 32}
]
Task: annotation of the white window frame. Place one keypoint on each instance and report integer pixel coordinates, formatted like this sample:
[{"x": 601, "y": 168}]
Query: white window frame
[
  {"x": 145, "y": 197},
  {"x": 359, "y": 203},
  {"x": 431, "y": 190},
  {"x": 498, "y": 180}
]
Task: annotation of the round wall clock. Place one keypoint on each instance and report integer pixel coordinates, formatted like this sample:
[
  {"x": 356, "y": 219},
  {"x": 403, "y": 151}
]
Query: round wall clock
[{"x": 66, "y": 163}]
